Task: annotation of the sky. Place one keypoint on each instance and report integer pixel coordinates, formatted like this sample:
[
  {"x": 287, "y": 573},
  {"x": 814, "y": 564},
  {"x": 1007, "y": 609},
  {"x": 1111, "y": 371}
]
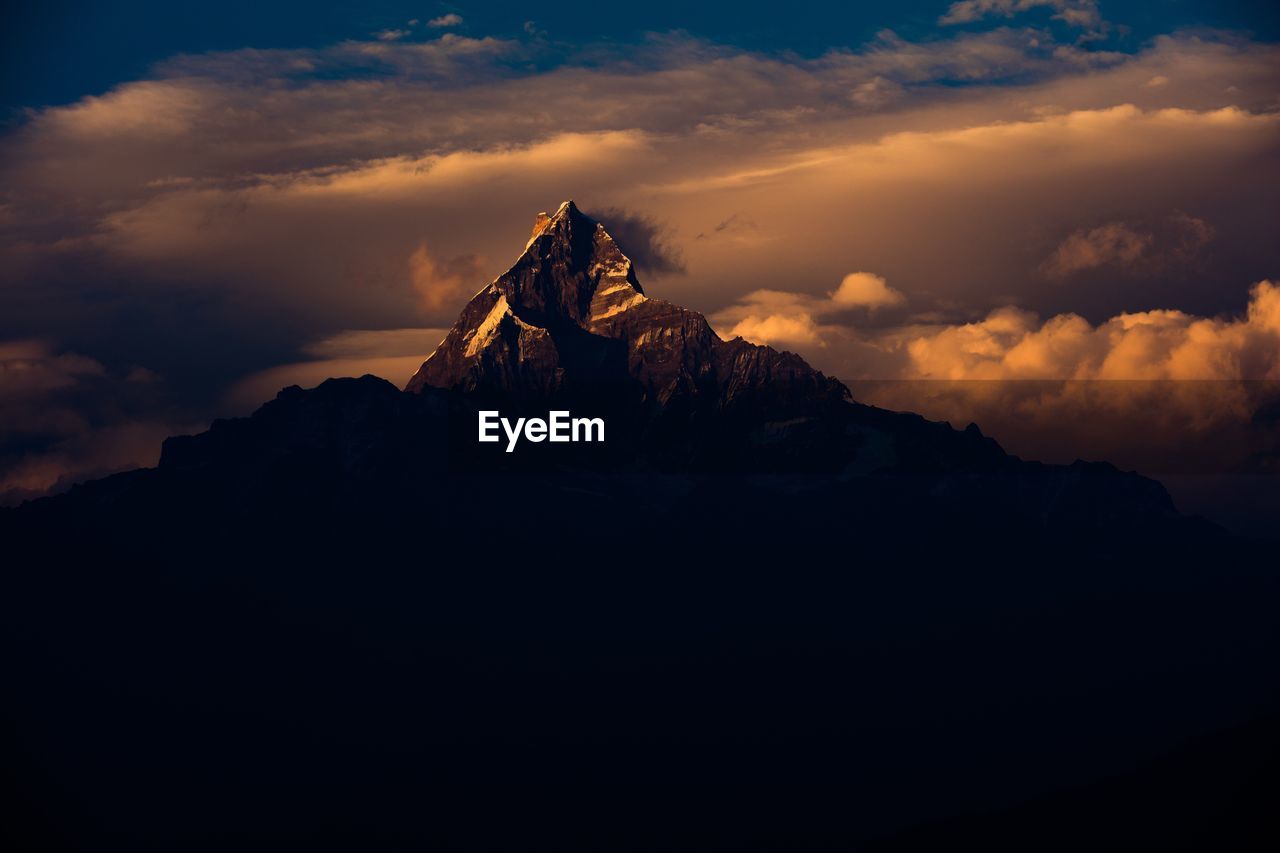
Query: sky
[
  {"x": 947, "y": 205},
  {"x": 57, "y": 52}
]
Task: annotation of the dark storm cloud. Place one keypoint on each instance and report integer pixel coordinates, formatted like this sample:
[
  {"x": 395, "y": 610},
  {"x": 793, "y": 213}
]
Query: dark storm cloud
[
  {"x": 644, "y": 239},
  {"x": 1142, "y": 248},
  {"x": 65, "y": 417}
]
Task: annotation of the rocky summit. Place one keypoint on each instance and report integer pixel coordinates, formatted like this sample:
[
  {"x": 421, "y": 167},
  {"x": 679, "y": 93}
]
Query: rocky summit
[{"x": 570, "y": 316}]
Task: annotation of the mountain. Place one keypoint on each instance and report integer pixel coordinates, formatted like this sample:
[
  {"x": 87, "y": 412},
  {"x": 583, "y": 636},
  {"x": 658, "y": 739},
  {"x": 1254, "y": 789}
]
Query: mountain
[
  {"x": 569, "y": 326},
  {"x": 759, "y": 615},
  {"x": 571, "y": 316},
  {"x": 570, "y": 322}
]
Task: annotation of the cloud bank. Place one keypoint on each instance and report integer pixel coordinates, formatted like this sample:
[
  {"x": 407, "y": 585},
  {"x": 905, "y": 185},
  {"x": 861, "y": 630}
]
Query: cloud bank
[{"x": 227, "y": 215}]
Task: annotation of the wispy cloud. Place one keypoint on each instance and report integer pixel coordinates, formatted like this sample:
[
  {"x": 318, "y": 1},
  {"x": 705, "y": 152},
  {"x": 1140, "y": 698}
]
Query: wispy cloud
[
  {"x": 1076, "y": 13},
  {"x": 1134, "y": 247},
  {"x": 452, "y": 19},
  {"x": 785, "y": 318}
]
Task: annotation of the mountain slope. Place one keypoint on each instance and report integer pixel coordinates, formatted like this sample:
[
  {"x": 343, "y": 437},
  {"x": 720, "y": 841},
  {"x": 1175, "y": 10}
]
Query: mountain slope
[{"x": 571, "y": 316}]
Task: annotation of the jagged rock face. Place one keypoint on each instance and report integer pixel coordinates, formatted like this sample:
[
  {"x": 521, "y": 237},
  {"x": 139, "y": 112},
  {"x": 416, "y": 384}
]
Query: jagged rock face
[{"x": 570, "y": 315}]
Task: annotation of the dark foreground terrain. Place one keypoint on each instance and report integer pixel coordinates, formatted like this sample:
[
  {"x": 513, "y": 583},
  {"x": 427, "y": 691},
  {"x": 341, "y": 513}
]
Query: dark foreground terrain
[{"x": 282, "y": 638}]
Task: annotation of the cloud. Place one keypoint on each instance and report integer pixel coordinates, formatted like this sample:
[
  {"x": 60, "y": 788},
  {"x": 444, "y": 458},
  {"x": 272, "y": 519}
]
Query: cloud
[
  {"x": 1160, "y": 390},
  {"x": 786, "y": 318},
  {"x": 1190, "y": 399},
  {"x": 261, "y": 171},
  {"x": 278, "y": 197},
  {"x": 391, "y": 35},
  {"x": 1113, "y": 243},
  {"x": 445, "y": 283},
  {"x": 773, "y": 317},
  {"x": 1015, "y": 344},
  {"x": 795, "y": 329},
  {"x": 375, "y": 343},
  {"x": 1075, "y": 13},
  {"x": 735, "y": 226},
  {"x": 393, "y": 354},
  {"x": 644, "y": 239},
  {"x": 1132, "y": 247},
  {"x": 1163, "y": 344},
  {"x": 876, "y": 93},
  {"x": 65, "y": 418},
  {"x": 452, "y": 19},
  {"x": 864, "y": 289},
  {"x": 448, "y": 60}
]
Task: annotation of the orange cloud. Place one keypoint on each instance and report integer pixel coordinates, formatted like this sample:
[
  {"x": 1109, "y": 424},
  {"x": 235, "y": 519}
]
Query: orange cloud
[
  {"x": 393, "y": 354},
  {"x": 1113, "y": 243},
  {"x": 779, "y": 317},
  {"x": 1191, "y": 400},
  {"x": 1147, "y": 345},
  {"x": 1130, "y": 246},
  {"x": 443, "y": 282},
  {"x": 865, "y": 289}
]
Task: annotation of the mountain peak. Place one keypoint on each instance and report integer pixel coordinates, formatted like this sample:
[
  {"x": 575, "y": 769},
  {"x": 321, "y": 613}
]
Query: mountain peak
[
  {"x": 566, "y": 211},
  {"x": 570, "y": 314}
]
